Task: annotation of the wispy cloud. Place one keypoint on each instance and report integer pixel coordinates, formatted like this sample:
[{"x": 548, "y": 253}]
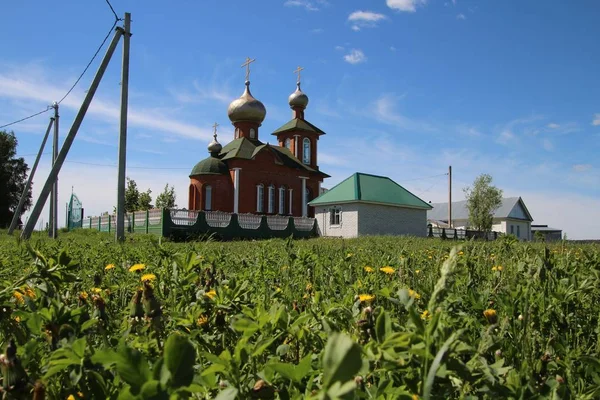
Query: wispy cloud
[
  {"x": 355, "y": 56},
  {"x": 405, "y": 5},
  {"x": 505, "y": 137},
  {"x": 469, "y": 131},
  {"x": 365, "y": 19},
  {"x": 202, "y": 93},
  {"x": 581, "y": 167},
  {"x": 317, "y": 30},
  {"x": 308, "y": 5},
  {"x": 339, "y": 48},
  {"x": 461, "y": 16},
  {"x": 547, "y": 145},
  {"x": 596, "y": 120},
  {"x": 553, "y": 125},
  {"x": 384, "y": 110}
]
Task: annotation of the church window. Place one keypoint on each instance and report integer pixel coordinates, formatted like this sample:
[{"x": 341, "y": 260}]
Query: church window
[
  {"x": 192, "y": 197},
  {"x": 271, "y": 199},
  {"x": 288, "y": 144},
  {"x": 306, "y": 147},
  {"x": 208, "y": 197},
  {"x": 281, "y": 200},
  {"x": 335, "y": 216},
  {"x": 252, "y": 133},
  {"x": 237, "y": 133},
  {"x": 291, "y": 197},
  {"x": 259, "y": 198},
  {"x": 307, "y": 199}
]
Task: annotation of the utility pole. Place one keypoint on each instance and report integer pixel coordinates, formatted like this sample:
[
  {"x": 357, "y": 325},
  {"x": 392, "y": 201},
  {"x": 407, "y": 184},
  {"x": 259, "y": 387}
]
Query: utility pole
[
  {"x": 17, "y": 213},
  {"x": 53, "y": 224},
  {"x": 450, "y": 196},
  {"x": 60, "y": 159},
  {"x": 120, "y": 234}
]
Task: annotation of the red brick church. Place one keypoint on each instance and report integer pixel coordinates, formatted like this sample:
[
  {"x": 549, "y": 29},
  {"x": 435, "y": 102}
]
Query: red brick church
[{"x": 249, "y": 176}]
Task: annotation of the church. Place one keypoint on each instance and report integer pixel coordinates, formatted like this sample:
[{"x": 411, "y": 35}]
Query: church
[{"x": 247, "y": 175}]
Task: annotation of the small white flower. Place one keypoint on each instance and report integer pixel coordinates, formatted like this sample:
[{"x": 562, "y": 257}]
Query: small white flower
[
  {"x": 520, "y": 317},
  {"x": 498, "y": 353}
]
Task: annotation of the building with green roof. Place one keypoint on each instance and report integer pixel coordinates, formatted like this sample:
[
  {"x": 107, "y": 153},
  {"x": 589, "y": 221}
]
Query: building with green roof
[{"x": 365, "y": 204}]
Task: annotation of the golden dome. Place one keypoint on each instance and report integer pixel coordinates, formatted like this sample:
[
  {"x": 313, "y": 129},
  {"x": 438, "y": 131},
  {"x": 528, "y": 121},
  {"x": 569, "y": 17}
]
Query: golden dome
[
  {"x": 246, "y": 108},
  {"x": 298, "y": 98}
]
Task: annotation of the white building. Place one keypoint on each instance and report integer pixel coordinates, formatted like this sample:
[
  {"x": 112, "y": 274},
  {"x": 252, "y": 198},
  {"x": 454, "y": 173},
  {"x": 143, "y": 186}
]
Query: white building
[
  {"x": 366, "y": 204},
  {"x": 512, "y": 217}
]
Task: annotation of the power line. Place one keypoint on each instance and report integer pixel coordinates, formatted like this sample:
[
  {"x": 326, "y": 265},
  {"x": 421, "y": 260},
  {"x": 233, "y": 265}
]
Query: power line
[
  {"x": 424, "y": 177},
  {"x": 113, "y": 11},
  {"x": 26, "y": 118}
]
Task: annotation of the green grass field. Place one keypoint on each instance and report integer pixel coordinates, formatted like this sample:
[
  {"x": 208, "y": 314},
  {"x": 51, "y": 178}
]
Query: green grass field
[{"x": 370, "y": 318}]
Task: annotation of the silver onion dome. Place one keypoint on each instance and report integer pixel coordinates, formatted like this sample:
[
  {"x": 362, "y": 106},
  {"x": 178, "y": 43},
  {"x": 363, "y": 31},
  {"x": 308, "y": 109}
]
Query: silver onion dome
[
  {"x": 298, "y": 98},
  {"x": 214, "y": 146},
  {"x": 246, "y": 108}
]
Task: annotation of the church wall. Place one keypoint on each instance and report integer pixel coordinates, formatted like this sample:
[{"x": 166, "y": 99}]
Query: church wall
[
  {"x": 222, "y": 192},
  {"x": 377, "y": 219}
]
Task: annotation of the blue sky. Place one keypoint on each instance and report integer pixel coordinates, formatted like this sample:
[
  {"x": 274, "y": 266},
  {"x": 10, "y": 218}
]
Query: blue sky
[{"x": 403, "y": 88}]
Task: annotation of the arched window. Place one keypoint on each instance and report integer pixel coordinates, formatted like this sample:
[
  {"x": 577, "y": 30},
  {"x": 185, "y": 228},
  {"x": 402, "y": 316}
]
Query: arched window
[
  {"x": 252, "y": 133},
  {"x": 271, "y": 209},
  {"x": 281, "y": 200},
  {"x": 259, "y": 197},
  {"x": 288, "y": 144},
  {"x": 192, "y": 197},
  {"x": 237, "y": 133},
  {"x": 207, "y": 198},
  {"x": 306, "y": 148}
]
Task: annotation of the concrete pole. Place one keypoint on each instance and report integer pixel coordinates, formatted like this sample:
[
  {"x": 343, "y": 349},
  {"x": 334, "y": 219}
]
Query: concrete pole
[
  {"x": 120, "y": 231},
  {"x": 53, "y": 225},
  {"x": 15, "y": 219},
  {"x": 450, "y": 196},
  {"x": 39, "y": 205},
  {"x": 304, "y": 210}
]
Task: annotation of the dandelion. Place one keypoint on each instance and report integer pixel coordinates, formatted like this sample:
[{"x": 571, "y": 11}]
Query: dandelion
[
  {"x": 490, "y": 315},
  {"x": 277, "y": 289},
  {"x": 148, "y": 277},
  {"x": 17, "y": 319},
  {"x": 211, "y": 294},
  {"x": 308, "y": 287},
  {"x": 417, "y": 271},
  {"x": 368, "y": 269},
  {"x": 366, "y": 298},
  {"x": 83, "y": 295},
  {"x": 109, "y": 266},
  {"x": 460, "y": 253},
  {"x": 349, "y": 255},
  {"x": 425, "y": 315},
  {"x": 96, "y": 290},
  {"x": 388, "y": 270},
  {"x": 497, "y": 268},
  {"x": 17, "y": 295},
  {"x": 137, "y": 267},
  {"x": 415, "y": 397},
  {"x": 202, "y": 320},
  {"x": 71, "y": 397},
  {"x": 430, "y": 257},
  {"x": 28, "y": 291},
  {"x": 414, "y": 294}
]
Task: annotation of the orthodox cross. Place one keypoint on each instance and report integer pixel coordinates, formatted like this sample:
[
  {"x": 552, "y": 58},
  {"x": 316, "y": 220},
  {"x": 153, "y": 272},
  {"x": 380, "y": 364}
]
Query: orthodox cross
[
  {"x": 247, "y": 65},
  {"x": 215, "y": 129},
  {"x": 297, "y": 71}
]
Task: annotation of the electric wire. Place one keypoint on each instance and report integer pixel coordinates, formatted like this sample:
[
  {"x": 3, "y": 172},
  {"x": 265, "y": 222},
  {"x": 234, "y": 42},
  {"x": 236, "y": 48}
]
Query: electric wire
[
  {"x": 113, "y": 10},
  {"x": 26, "y": 118}
]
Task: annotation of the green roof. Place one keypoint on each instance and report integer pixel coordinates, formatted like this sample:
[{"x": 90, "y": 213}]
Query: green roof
[
  {"x": 298, "y": 124},
  {"x": 210, "y": 166},
  {"x": 371, "y": 189}
]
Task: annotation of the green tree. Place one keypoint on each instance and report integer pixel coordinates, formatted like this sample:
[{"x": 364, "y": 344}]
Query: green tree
[
  {"x": 13, "y": 177},
  {"x": 145, "y": 201},
  {"x": 167, "y": 198},
  {"x": 483, "y": 200},
  {"x": 134, "y": 200}
]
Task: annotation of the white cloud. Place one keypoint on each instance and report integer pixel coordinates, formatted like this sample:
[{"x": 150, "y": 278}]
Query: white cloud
[
  {"x": 355, "y": 56},
  {"x": 581, "y": 167},
  {"x": 339, "y": 48},
  {"x": 316, "y": 30},
  {"x": 547, "y": 145},
  {"x": 461, "y": 16},
  {"x": 384, "y": 110},
  {"x": 365, "y": 19},
  {"x": 392, "y": 48},
  {"x": 596, "y": 121},
  {"x": 505, "y": 137},
  {"x": 467, "y": 130},
  {"x": 553, "y": 125},
  {"x": 405, "y": 5},
  {"x": 308, "y": 5}
]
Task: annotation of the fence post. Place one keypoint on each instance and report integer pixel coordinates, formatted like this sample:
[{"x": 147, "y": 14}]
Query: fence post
[
  {"x": 444, "y": 233},
  {"x": 147, "y": 219},
  {"x": 430, "y": 229},
  {"x": 108, "y": 223}
]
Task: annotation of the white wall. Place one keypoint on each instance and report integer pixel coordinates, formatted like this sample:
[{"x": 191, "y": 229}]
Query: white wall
[
  {"x": 524, "y": 228},
  {"x": 348, "y": 227},
  {"x": 376, "y": 219}
]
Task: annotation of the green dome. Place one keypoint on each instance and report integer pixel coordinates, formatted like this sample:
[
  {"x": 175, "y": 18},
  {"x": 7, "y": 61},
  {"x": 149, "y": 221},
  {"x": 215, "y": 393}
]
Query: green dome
[{"x": 210, "y": 166}]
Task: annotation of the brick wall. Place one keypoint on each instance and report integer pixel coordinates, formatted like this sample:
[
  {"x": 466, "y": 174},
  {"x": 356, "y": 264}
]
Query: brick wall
[{"x": 348, "y": 227}]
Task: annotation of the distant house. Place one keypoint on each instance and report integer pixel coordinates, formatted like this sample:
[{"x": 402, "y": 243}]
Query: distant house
[
  {"x": 366, "y": 204},
  {"x": 512, "y": 217},
  {"x": 550, "y": 234}
]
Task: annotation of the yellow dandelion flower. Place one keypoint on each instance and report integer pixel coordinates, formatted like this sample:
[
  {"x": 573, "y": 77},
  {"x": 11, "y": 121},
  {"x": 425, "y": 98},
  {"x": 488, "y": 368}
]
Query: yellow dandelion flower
[
  {"x": 349, "y": 255},
  {"x": 80, "y": 395},
  {"x": 277, "y": 289},
  {"x": 387, "y": 270},
  {"x": 109, "y": 266},
  {"x": 308, "y": 287},
  {"x": 460, "y": 253},
  {"x": 202, "y": 320},
  {"x": 415, "y": 397},
  {"x": 414, "y": 294},
  {"x": 148, "y": 277},
  {"x": 366, "y": 298},
  {"x": 71, "y": 397},
  {"x": 417, "y": 271},
  {"x": 29, "y": 292},
  {"x": 137, "y": 267},
  {"x": 425, "y": 314},
  {"x": 211, "y": 294},
  {"x": 490, "y": 315},
  {"x": 17, "y": 319},
  {"x": 430, "y": 257},
  {"x": 368, "y": 269},
  {"x": 96, "y": 290},
  {"x": 19, "y": 296},
  {"x": 83, "y": 295}
]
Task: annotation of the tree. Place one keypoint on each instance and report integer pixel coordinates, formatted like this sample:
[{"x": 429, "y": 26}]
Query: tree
[
  {"x": 13, "y": 177},
  {"x": 134, "y": 200},
  {"x": 482, "y": 200},
  {"x": 167, "y": 198}
]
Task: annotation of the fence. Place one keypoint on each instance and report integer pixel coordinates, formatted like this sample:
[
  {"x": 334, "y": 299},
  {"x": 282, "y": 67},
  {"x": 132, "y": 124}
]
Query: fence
[
  {"x": 183, "y": 224},
  {"x": 460, "y": 234}
]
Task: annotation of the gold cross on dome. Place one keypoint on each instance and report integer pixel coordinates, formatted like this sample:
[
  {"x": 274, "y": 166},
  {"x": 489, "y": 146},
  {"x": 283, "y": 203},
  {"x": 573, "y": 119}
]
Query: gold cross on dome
[
  {"x": 297, "y": 71},
  {"x": 247, "y": 65}
]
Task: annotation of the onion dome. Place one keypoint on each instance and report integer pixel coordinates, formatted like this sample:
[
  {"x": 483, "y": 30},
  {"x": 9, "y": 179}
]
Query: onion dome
[
  {"x": 210, "y": 166},
  {"x": 246, "y": 108},
  {"x": 298, "y": 98},
  {"x": 214, "y": 147}
]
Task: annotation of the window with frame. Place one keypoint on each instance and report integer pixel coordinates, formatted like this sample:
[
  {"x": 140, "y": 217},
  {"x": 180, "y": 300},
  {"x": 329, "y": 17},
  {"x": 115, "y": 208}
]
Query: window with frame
[
  {"x": 306, "y": 151},
  {"x": 208, "y": 197},
  {"x": 271, "y": 209},
  {"x": 259, "y": 197},
  {"x": 512, "y": 229},
  {"x": 288, "y": 143},
  {"x": 282, "y": 200},
  {"x": 252, "y": 133},
  {"x": 518, "y": 231},
  {"x": 335, "y": 216},
  {"x": 291, "y": 201}
]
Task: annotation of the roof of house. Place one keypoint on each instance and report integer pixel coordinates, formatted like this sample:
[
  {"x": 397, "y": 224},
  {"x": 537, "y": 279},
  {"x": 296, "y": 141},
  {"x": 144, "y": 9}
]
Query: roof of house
[
  {"x": 298, "y": 124},
  {"x": 544, "y": 228},
  {"x": 372, "y": 189},
  {"x": 508, "y": 209}
]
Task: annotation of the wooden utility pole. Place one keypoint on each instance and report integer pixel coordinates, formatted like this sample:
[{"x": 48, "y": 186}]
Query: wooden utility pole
[
  {"x": 62, "y": 155},
  {"x": 120, "y": 231},
  {"x": 17, "y": 213},
  {"x": 450, "y": 196},
  {"x": 53, "y": 224}
]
